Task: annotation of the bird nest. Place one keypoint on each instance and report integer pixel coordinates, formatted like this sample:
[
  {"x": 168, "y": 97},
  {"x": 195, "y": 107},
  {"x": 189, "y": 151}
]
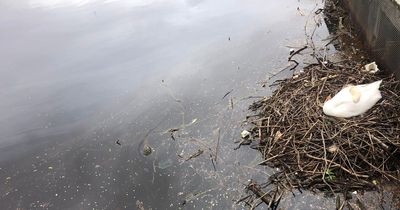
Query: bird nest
[{"x": 318, "y": 152}]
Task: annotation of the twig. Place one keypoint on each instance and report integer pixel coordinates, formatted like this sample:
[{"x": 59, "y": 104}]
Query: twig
[{"x": 217, "y": 147}]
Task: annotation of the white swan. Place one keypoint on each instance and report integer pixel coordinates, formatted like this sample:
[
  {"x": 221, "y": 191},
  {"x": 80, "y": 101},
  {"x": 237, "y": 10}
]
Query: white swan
[{"x": 353, "y": 100}]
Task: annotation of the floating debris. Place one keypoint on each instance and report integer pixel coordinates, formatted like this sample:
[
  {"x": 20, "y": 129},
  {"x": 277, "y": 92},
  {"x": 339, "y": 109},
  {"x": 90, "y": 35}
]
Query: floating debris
[
  {"x": 271, "y": 197},
  {"x": 139, "y": 205},
  {"x": 166, "y": 163},
  {"x": 198, "y": 153},
  {"x": 172, "y": 131},
  {"x": 226, "y": 94},
  {"x": 245, "y": 134},
  {"x": 147, "y": 150},
  {"x": 193, "y": 122},
  {"x": 144, "y": 147}
]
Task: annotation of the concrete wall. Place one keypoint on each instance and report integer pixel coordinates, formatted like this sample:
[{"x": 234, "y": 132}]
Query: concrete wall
[{"x": 380, "y": 22}]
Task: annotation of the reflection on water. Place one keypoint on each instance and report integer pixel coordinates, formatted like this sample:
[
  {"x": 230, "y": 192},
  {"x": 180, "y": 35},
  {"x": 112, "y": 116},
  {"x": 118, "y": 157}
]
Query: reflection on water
[
  {"x": 76, "y": 76},
  {"x": 58, "y": 3}
]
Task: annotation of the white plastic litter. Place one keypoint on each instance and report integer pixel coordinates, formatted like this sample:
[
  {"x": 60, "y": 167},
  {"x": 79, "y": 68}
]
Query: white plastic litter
[
  {"x": 245, "y": 134},
  {"x": 371, "y": 68}
]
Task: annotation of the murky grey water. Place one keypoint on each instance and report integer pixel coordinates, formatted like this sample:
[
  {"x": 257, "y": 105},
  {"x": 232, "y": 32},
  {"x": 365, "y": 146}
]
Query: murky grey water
[{"x": 78, "y": 75}]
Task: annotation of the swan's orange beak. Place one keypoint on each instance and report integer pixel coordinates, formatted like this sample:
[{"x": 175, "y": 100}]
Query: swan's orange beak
[{"x": 328, "y": 98}]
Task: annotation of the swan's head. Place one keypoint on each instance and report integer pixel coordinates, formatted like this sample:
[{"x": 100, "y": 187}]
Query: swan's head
[{"x": 328, "y": 108}]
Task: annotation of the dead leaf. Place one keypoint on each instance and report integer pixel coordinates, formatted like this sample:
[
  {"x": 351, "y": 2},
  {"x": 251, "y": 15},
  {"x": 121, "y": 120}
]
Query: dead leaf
[{"x": 278, "y": 135}]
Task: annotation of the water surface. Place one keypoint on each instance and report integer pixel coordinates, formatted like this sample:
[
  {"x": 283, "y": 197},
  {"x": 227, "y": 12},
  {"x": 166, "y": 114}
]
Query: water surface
[{"x": 76, "y": 76}]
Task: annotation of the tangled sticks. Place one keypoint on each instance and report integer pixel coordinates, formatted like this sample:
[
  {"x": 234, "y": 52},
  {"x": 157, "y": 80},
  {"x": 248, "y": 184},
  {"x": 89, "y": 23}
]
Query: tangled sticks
[{"x": 319, "y": 152}]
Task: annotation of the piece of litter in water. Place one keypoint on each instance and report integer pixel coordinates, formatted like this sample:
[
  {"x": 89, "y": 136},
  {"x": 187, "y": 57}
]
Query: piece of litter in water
[
  {"x": 226, "y": 94},
  {"x": 196, "y": 154},
  {"x": 165, "y": 164},
  {"x": 118, "y": 142},
  {"x": 147, "y": 150},
  {"x": 193, "y": 121},
  {"x": 245, "y": 134}
]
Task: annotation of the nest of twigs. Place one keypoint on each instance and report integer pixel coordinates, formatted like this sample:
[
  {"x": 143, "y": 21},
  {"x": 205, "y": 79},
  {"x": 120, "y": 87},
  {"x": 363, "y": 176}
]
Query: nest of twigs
[{"x": 318, "y": 152}]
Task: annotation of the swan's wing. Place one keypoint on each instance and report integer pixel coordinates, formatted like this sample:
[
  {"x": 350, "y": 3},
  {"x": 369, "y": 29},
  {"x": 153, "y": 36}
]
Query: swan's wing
[
  {"x": 345, "y": 102},
  {"x": 343, "y": 97}
]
